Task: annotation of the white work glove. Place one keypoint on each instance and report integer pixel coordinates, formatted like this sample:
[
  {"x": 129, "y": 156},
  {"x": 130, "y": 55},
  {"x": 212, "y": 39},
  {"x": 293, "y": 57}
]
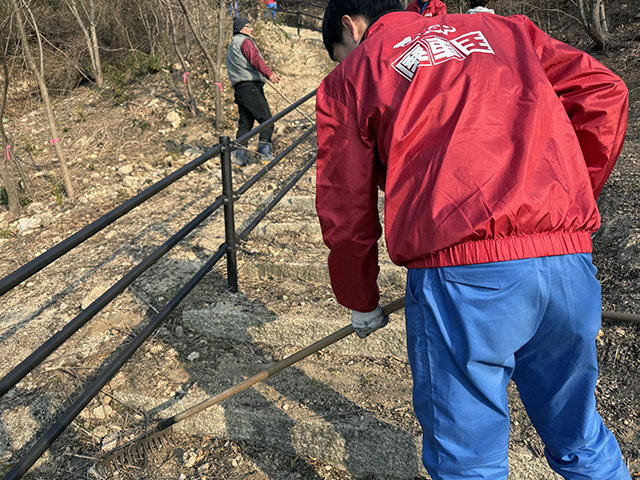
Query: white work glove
[{"x": 366, "y": 322}]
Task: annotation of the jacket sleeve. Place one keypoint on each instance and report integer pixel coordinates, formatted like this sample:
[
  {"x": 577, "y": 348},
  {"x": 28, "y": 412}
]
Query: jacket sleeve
[
  {"x": 252, "y": 54},
  {"x": 595, "y": 99},
  {"x": 440, "y": 8},
  {"x": 413, "y": 7},
  {"x": 347, "y": 204}
]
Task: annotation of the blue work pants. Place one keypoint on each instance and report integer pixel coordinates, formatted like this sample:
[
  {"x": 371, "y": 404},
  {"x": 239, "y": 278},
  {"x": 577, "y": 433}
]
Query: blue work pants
[{"x": 471, "y": 329}]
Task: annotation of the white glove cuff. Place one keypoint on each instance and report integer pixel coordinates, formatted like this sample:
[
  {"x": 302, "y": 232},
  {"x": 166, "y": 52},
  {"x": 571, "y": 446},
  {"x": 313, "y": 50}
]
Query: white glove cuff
[{"x": 364, "y": 319}]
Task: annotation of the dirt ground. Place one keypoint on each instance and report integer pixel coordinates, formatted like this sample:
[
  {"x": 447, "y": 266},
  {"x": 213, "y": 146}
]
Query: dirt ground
[{"x": 107, "y": 137}]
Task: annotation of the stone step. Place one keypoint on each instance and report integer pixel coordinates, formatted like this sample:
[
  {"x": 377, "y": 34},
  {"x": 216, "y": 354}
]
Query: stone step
[
  {"x": 307, "y": 203},
  {"x": 315, "y": 272},
  {"x": 310, "y": 232}
]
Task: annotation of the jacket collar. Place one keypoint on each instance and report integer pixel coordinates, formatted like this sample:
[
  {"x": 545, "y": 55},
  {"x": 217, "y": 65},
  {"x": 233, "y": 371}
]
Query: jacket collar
[{"x": 376, "y": 24}]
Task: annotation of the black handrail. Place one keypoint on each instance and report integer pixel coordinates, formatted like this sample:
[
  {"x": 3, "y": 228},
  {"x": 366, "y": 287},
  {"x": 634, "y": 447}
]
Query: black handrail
[
  {"x": 33, "y": 360},
  {"x": 47, "y": 348},
  {"x": 35, "y": 452},
  {"x": 243, "y": 139},
  {"x": 254, "y": 223},
  {"x": 282, "y": 10},
  {"x": 54, "y": 342},
  {"x": 40, "y": 262},
  {"x": 267, "y": 168}
]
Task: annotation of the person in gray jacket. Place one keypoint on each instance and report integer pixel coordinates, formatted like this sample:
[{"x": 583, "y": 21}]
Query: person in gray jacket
[{"x": 248, "y": 72}]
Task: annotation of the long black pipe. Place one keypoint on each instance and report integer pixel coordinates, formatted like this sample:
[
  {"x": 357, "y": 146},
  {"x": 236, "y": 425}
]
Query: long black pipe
[
  {"x": 56, "y": 430},
  {"x": 38, "y": 263},
  {"x": 51, "y": 255},
  {"x": 281, "y": 10},
  {"x": 243, "y": 139},
  {"x": 42, "y": 352},
  {"x": 267, "y": 168},
  {"x": 33, "y": 360},
  {"x": 254, "y": 223},
  {"x": 35, "y": 452}
]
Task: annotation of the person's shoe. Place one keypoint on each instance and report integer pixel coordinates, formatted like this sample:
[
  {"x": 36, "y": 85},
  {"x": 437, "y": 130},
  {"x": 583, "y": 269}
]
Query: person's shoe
[
  {"x": 241, "y": 158},
  {"x": 264, "y": 149}
]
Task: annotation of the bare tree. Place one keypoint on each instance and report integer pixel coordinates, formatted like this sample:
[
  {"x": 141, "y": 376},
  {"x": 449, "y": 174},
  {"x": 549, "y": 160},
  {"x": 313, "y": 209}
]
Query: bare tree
[
  {"x": 55, "y": 139},
  {"x": 212, "y": 65},
  {"x": 8, "y": 180},
  {"x": 192, "y": 101},
  {"x": 150, "y": 29},
  {"x": 218, "y": 82},
  {"x": 594, "y": 21},
  {"x": 88, "y": 26}
]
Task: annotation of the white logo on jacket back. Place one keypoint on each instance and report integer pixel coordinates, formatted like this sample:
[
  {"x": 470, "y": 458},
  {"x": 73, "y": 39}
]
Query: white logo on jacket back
[{"x": 428, "y": 49}]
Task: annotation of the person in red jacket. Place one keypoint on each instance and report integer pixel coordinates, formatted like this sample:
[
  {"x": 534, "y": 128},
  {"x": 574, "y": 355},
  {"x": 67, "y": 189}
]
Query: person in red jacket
[
  {"x": 427, "y": 8},
  {"x": 272, "y": 8},
  {"x": 492, "y": 142}
]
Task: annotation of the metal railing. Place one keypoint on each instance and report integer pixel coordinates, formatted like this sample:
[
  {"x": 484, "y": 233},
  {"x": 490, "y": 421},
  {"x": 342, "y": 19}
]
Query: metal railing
[
  {"x": 227, "y": 199},
  {"x": 294, "y": 8}
]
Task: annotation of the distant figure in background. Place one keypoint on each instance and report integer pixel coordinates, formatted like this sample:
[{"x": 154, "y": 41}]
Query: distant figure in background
[
  {"x": 479, "y": 6},
  {"x": 272, "y": 8},
  {"x": 247, "y": 72},
  {"x": 427, "y": 8},
  {"x": 233, "y": 8}
]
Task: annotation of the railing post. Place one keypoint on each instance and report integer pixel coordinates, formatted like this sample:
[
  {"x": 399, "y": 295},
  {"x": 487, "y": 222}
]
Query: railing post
[
  {"x": 298, "y": 16},
  {"x": 229, "y": 220}
]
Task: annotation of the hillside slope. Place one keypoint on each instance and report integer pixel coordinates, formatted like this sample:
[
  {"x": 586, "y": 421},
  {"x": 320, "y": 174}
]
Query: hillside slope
[{"x": 342, "y": 414}]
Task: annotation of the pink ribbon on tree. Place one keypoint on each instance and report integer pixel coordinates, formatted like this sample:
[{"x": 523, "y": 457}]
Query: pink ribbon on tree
[
  {"x": 219, "y": 85},
  {"x": 184, "y": 76},
  {"x": 8, "y": 147},
  {"x": 54, "y": 140}
]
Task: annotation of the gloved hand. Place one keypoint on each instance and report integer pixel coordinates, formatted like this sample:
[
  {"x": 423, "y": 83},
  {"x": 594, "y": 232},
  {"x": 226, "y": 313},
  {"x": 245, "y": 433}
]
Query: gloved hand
[{"x": 366, "y": 322}]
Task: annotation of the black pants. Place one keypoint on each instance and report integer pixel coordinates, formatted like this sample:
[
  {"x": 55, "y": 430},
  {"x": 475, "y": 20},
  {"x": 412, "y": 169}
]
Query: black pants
[{"x": 252, "y": 106}]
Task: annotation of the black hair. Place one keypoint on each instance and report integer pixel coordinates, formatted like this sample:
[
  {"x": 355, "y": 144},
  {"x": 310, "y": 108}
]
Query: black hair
[
  {"x": 336, "y": 9},
  {"x": 478, "y": 3}
]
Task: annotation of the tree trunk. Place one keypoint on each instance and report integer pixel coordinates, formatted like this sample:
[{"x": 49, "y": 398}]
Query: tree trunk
[
  {"x": 90, "y": 38},
  {"x": 192, "y": 101},
  {"x": 96, "y": 62},
  {"x": 5, "y": 171},
  {"x": 55, "y": 139},
  {"x": 594, "y": 20},
  {"x": 218, "y": 82},
  {"x": 196, "y": 35}
]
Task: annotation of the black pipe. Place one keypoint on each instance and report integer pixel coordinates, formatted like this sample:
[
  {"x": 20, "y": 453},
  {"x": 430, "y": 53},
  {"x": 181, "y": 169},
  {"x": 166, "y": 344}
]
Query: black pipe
[
  {"x": 35, "y": 452},
  {"x": 281, "y": 10},
  {"x": 39, "y": 355},
  {"x": 276, "y": 199},
  {"x": 229, "y": 218},
  {"x": 267, "y": 168},
  {"x": 33, "y": 360},
  {"x": 51, "y": 255},
  {"x": 243, "y": 139},
  {"x": 38, "y": 263}
]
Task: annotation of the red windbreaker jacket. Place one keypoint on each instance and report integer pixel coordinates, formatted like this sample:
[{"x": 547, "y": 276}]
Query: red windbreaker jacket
[
  {"x": 491, "y": 140},
  {"x": 433, "y": 8}
]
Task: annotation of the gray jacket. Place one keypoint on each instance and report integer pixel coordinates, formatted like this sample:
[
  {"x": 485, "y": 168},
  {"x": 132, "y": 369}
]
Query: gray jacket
[{"x": 238, "y": 67}]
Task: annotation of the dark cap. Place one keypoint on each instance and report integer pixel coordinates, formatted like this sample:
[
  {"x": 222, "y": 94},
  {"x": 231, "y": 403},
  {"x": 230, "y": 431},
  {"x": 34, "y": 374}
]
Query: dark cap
[{"x": 239, "y": 23}]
